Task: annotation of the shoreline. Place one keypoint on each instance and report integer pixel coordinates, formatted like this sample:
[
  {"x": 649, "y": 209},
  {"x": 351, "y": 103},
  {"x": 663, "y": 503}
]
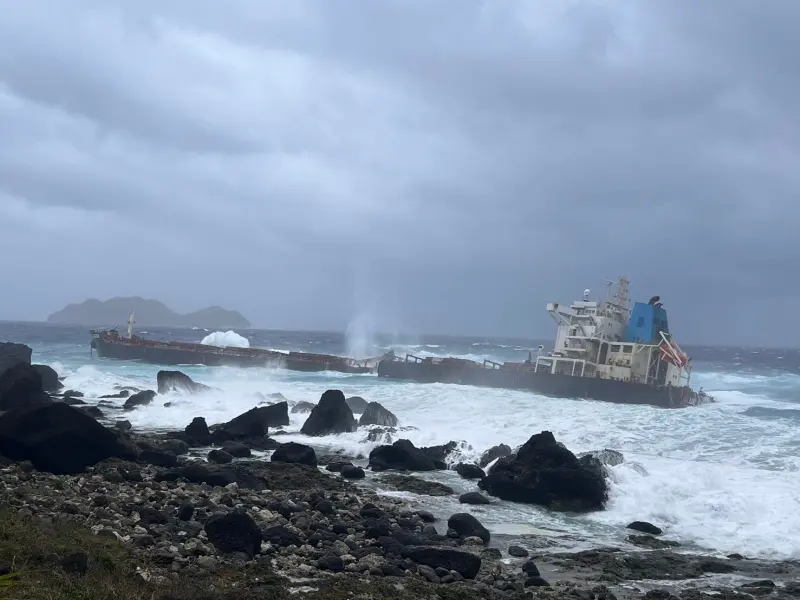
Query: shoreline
[{"x": 161, "y": 526}]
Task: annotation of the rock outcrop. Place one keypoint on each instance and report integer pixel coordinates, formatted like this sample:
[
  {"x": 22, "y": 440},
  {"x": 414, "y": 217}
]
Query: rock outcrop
[
  {"x": 50, "y": 380},
  {"x": 376, "y": 414},
  {"x": 400, "y": 456},
  {"x": 292, "y": 452},
  {"x": 357, "y": 404},
  {"x": 176, "y": 381},
  {"x": 59, "y": 438},
  {"x": 330, "y": 416},
  {"x": 12, "y": 354},
  {"x": 142, "y": 398},
  {"x": 544, "y": 472},
  {"x": 21, "y": 387},
  {"x": 252, "y": 424}
]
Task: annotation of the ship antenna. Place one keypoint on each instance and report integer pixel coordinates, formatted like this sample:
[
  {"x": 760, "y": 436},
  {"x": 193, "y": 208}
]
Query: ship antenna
[{"x": 130, "y": 325}]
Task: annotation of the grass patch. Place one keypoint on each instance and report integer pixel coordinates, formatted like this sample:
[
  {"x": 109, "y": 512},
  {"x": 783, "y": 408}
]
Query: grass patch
[{"x": 68, "y": 562}]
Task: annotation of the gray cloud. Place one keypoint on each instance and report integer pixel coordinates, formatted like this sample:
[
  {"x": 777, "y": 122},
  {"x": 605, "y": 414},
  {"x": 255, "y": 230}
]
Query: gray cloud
[{"x": 442, "y": 169}]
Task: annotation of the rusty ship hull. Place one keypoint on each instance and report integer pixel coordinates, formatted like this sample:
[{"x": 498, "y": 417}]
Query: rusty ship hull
[
  {"x": 521, "y": 376},
  {"x": 110, "y": 344}
]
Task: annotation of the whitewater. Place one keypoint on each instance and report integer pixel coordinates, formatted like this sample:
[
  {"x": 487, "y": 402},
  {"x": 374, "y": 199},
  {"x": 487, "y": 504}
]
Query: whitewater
[{"x": 722, "y": 478}]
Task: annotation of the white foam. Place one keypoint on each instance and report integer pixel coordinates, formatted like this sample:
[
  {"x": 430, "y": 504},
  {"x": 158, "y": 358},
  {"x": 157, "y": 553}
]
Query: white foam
[
  {"x": 717, "y": 478},
  {"x": 226, "y": 339}
]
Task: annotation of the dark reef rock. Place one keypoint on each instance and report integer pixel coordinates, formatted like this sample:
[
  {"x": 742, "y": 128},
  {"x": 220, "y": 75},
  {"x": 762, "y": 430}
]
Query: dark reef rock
[{"x": 544, "y": 472}]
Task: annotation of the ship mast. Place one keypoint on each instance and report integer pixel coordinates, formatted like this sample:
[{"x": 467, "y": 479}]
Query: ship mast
[{"x": 130, "y": 325}]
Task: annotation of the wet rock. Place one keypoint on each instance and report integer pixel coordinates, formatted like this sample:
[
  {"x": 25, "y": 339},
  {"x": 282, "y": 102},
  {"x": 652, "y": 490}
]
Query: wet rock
[
  {"x": 236, "y": 450},
  {"x": 330, "y": 416},
  {"x": 282, "y": 537},
  {"x": 536, "y": 581},
  {"x": 376, "y": 414},
  {"x": 198, "y": 432},
  {"x": 357, "y": 404},
  {"x": 292, "y": 452},
  {"x": 545, "y": 473},
  {"x": 331, "y": 562},
  {"x": 252, "y": 424},
  {"x": 50, "y": 381},
  {"x": 654, "y": 543},
  {"x": 176, "y": 381},
  {"x": 518, "y": 552},
  {"x": 120, "y": 394},
  {"x": 473, "y": 498},
  {"x": 400, "y": 456},
  {"x": 439, "y": 454},
  {"x": 530, "y": 569},
  {"x": 234, "y": 532},
  {"x": 12, "y": 354},
  {"x": 415, "y": 485},
  {"x": 352, "y": 472},
  {"x": 384, "y": 435},
  {"x": 337, "y": 466},
  {"x": 92, "y": 411},
  {"x": 21, "y": 387},
  {"x": 219, "y": 457},
  {"x": 142, "y": 398},
  {"x": 159, "y": 458},
  {"x": 464, "y": 563},
  {"x": 469, "y": 471},
  {"x": 123, "y": 425},
  {"x": 493, "y": 453},
  {"x": 610, "y": 458},
  {"x": 645, "y": 527},
  {"x": 303, "y": 407},
  {"x": 59, "y": 439},
  {"x": 466, "y": 525}
]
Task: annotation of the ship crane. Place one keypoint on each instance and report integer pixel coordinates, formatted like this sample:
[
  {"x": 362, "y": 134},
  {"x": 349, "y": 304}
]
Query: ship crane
[{"x": 131, "y": 323}]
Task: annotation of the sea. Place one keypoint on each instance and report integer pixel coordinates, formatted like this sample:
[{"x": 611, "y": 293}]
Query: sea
[{"x": 722, "y": 478}]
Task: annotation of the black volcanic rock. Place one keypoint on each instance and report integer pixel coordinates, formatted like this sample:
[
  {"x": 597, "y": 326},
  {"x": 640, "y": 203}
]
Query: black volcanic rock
[
  {"x": 544, "y": 472},
  {"x": 467, "y": 525},
  {"x": 142, "y": 398},
  {"x": 400, "y": 456},
  {"x": 21, "y": 387},
  {"x": 234, "y": 532},
  {"x": 50, "y": 380},
  {"x": 198, "y": 432},
  {"x": 494, "y": 452},
  {"x": 357, "y": 404},
  {"x": 59, "y": 438},
  {"x": 175, "y": 381},
  {"x": 330, "y": 416},
  {"x": 292, "y": 452},
  {"x": 377, "y": 414},
  {"x": 11, "y": 354},
  {"x": 253, "y": 424},
  {"x": 469, "y": 471}
]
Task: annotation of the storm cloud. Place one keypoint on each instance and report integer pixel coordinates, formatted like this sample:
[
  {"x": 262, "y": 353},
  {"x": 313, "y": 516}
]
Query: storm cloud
[{"x": 441, "y": 166}]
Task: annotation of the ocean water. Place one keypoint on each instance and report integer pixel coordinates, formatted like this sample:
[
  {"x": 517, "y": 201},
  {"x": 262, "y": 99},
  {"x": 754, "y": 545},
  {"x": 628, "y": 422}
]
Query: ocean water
[{"x": 721, "y": 478}]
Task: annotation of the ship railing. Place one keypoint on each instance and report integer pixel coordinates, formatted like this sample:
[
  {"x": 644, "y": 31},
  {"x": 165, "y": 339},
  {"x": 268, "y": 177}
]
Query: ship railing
[{"x": 490, "y": 364}]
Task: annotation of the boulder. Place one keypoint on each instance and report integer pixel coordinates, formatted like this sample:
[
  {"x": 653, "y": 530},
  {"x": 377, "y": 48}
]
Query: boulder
[
  {"x": 142, "y": 398},
  {"x": 376, "y": 414},
  {"x": 645, "y": 527},
  {"x": 439, "y": 454},
  {"x": 59, "y": 439},
  {"x": 330, "y": 416},
  {"x": 198, "y": 432},
  {"x": 352, "y": 472},
  {"x": 50, "y": 380},
  {"x": 302, "y": 407},
  {"x": 475, "y": 498},
  {"x": 292, "y": 452},
  {"x": 544, "y": 472},
  {"x": 219, "y": 457},
  {"x": 610, "y": 458},
  {"x": 357, "y": 404},
  {"x": 415, "y": 485},
  {"x": 175, "y": 381},
  {"x": 253, "y": 424},
  {"x": 234, "y": 532},
  {"x": 469, "y": 471},
  {"x": 465, "y": 564},
  {"x": 468, "y": 526},
  {"x": 21, "y": 387},
  {"x": 237, "y": 450},
  {"x": 12, "y": 354},
  {"x": 494, "y": 452},
  {"x": 400, "y": 456}
]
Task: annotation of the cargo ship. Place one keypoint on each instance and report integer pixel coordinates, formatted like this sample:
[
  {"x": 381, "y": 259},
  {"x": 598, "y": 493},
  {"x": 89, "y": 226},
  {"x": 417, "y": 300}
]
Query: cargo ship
[
  {"x": 603, "y": 350},
  {"x": 110, "y": 343}
]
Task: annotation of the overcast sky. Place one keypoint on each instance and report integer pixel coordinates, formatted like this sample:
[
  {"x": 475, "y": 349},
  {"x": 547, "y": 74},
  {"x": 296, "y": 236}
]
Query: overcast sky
[{"x": 440, "y": 166}]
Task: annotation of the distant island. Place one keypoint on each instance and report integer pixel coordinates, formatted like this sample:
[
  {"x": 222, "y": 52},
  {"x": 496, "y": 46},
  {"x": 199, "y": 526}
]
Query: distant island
[{"x": 148, "y": 313}]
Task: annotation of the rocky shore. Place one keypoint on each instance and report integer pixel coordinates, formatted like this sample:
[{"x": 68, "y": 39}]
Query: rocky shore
[{"x": 90, "y": 511}]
